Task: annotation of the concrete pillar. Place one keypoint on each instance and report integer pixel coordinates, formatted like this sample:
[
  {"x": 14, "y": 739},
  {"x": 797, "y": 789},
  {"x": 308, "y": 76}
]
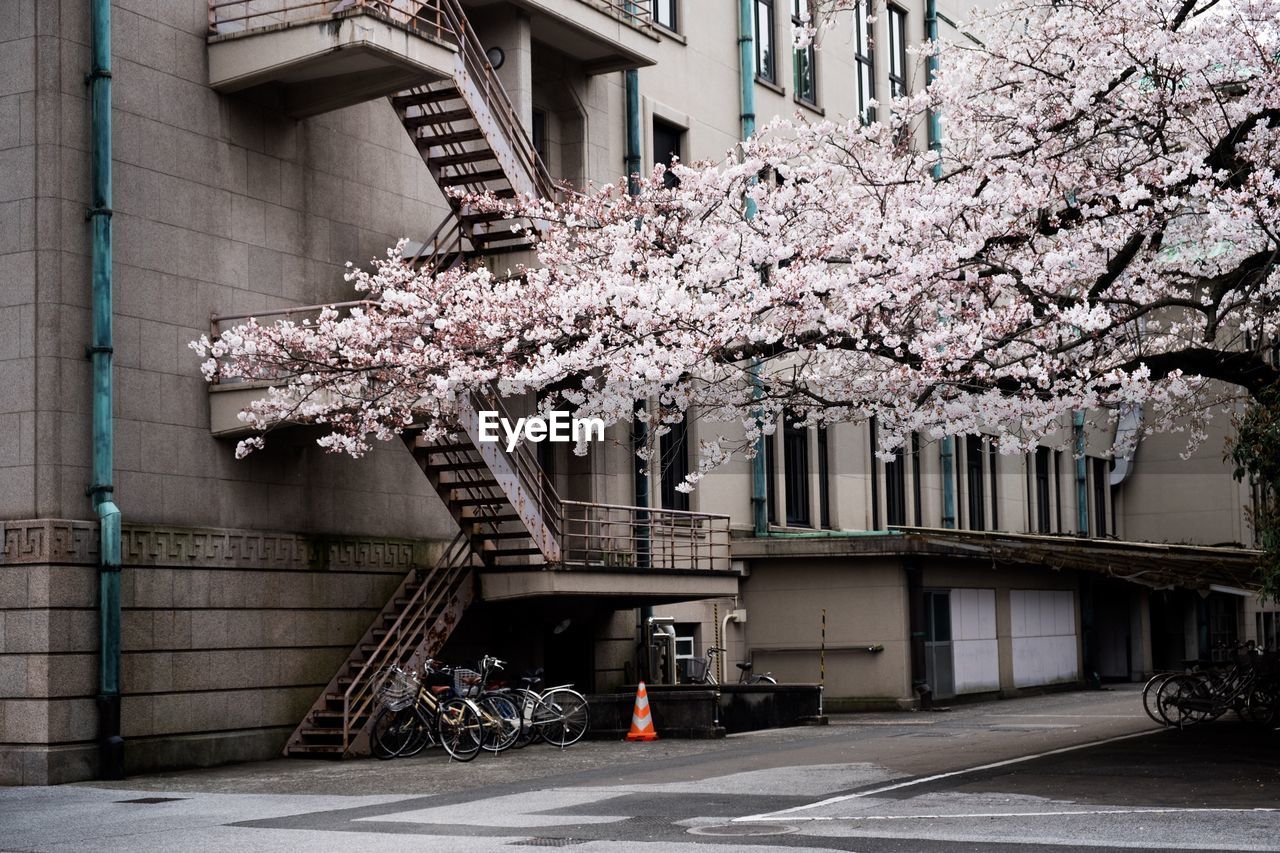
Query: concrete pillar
[
  {"x": 1140, "y": 662},
  {"x": 1004, "y": 639},
  {"x": 507, "y": 27}
]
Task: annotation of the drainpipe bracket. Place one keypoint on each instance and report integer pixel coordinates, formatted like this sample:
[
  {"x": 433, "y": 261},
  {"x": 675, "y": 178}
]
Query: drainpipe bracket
[
  {"x": 90, "y": 352},
  {"x": 97, "y": 74},
  {"x": 90, "y": 212},
  {"x": 99, "y": 489}
]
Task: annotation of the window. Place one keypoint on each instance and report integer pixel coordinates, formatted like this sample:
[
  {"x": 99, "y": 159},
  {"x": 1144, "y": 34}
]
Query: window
[
  {"x": 804, "y": 60},
  {"x": 895, "y": 489},
  {"x": 875, "y": 475},
  {"x": 1042, "y": 489},
  {"x": 666, "y": 147},
  {"x": 540, "y": 134},
  {"x": 766, "y": 62},
  {"x": 915, "y": 479},
  {"x": 795, "y": 460},
  {"x": 974, "y": 491},
  {"x": 993, "y": 458},
  {"x": 1057, "y": 490},
  {"x": 1101, "y": 482},
  {"x": 865, "y": 58},
  {"x": 897, "y": 52},
  {"x": 771, "y": 493},
  {"x": 664, "y": 13},
  {"x": 674, "y": 450},
  {"x": 824, "y": 480}
]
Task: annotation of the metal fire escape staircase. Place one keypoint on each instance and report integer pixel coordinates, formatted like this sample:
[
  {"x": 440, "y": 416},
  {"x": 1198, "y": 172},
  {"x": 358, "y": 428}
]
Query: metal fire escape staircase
[{"x": 510, "y": 518}]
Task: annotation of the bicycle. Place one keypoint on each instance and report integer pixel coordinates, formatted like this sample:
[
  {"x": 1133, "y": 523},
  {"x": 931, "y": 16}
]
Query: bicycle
[
  {"x": 703, "y": 671},
  {"x": 558, "y": 715},
  {"x": 415, "y": 713}
]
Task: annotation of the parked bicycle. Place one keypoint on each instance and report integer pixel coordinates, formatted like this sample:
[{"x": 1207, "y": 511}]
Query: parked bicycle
[
  {"x": 462, "y": 711},
  {"x": 1249, "y": 686},
  {"x": 703, "y": 670}
]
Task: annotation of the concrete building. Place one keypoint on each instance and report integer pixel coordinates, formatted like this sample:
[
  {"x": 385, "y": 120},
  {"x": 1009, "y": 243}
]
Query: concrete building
[{"x": 255, "y": 152}]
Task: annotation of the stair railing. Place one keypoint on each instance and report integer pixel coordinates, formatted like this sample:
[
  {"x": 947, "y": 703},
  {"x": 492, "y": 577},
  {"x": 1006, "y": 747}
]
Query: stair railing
[
  {"x": 406, "y": 634},
  {"x": 237, "y": 16}
]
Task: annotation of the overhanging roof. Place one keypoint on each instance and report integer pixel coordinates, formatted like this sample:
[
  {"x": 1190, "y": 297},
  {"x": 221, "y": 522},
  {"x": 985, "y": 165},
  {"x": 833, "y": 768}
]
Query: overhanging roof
[{"x": 1157, "y": 565}]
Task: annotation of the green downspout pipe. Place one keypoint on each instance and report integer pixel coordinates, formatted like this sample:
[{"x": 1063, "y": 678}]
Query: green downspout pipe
[
  {"x": 747, "y": 115},
  {"x": 935, "y": 144},
  {"x": 1082, "y": 486},
  {"x": 99, "y": 352},
  {"x": 632, "y": 78}
]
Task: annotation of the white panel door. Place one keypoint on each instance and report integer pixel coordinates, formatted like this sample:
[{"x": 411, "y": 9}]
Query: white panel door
[
  {"x": 973, "y": 640},
  {"x": 1044, "y": 636}
]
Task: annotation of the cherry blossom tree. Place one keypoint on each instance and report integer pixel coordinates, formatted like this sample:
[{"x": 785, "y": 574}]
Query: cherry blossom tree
[{"x": 1095, "y": 230}]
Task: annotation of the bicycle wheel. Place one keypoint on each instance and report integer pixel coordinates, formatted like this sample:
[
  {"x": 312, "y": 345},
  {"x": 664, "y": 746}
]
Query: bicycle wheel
[
  {"x": 1149, "y": 691},
  {"x": 423, "y": 729},
  {"x": 458, "y": 729},
  {"x": 566, "y": 717},
  {"x": 1179, "y": 700},
  {"x": 501, "y": 720},
  {"x": 391, "y": 732},
  {"x": 763, "y": 679}
]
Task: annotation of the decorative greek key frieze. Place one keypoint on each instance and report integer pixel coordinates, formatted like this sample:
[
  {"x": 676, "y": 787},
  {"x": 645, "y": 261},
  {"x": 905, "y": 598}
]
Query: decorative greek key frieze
[{"x": 64, "y": 541}]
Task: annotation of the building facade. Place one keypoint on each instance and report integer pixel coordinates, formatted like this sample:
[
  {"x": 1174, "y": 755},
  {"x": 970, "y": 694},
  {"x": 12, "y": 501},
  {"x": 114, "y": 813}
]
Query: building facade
[{"x": 254, "y": 152}]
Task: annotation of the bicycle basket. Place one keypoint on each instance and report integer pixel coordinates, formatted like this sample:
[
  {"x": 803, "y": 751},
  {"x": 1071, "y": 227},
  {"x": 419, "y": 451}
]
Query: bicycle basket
[
  {"x": 467, "y": 682},
  {"x": 694, "y": 670},
  {"x": 397, "y": 690}
]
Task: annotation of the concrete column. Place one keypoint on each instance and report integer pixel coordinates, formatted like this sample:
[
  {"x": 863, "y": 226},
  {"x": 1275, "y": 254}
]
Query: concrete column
[
  {"x": 507, "y": 27},
  {"x": 1004, "y": 639},
  {"x": 1140, "y": 661}
]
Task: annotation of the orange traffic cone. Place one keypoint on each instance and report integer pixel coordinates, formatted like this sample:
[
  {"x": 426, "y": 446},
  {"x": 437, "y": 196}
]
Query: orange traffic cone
[{"x": 641, "y": 720}]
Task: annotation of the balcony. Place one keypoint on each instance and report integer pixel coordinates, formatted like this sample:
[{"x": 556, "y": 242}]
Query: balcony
[
  {"x": 604, "y": 35},
  {"x": 310, "y": 56}
]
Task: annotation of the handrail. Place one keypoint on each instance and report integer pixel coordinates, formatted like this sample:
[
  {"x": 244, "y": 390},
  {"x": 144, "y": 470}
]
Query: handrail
[
  {"x": 413, "y": 617},
  {"x": 260, "y": 14},
  {"x": 530, "y": 473}
]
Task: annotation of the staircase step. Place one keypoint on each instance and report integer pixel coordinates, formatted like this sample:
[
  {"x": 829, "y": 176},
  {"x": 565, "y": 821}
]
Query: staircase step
[
  {"x": 468, "y": 465},
  {"x": 432, "y": 119},
  {"x": 325, "y": 750},
  {"x": 505, "y": 233},
  {"x": 513, "y": 552},
  {"x": 432, "y": 96},
  {"x": 472, "y": 178},
  {"x": 506, "y": 249},
  {"x": 489, "y": 535},
  {"x": 432, "y": 449},
  {"x": 487, "y": 216},
  {"x": 490, "y": 519},
  {"x": 496, "y": 500},
  {"x": 457, "y": 485},
  {"x": 477, "y": 156},
  {"x": 442, "y": 139}
]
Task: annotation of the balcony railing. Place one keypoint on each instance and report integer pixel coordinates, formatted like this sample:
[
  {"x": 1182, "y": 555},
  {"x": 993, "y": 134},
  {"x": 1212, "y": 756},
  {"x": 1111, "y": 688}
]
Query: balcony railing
[
  {"x": 238, "y": 16},
  {"x": 632, "y": 537}
]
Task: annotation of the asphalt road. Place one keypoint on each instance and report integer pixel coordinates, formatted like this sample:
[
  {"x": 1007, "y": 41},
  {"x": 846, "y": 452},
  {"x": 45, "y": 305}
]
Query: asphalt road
[{"x": 1078, "y": 771}]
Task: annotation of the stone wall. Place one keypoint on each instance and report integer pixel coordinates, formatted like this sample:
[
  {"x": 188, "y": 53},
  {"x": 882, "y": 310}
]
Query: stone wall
[{"x": 228, "y": 637}]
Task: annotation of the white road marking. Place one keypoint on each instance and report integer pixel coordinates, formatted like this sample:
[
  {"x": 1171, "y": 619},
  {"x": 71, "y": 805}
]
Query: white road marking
[
  {"x": 1090, "y": 812},
  {"x": 791, "y": 812},
  {"x": 1075, "y": 716}
]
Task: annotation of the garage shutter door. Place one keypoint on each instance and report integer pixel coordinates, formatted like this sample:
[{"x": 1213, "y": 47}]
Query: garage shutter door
[
  {"x": 973, "y": 640},
  {"x": 1044, "y": 636}
]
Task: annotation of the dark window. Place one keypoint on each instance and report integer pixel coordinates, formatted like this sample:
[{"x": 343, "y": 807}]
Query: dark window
[
  {"x": 1101, "y": 482},
  {"x": 771, "y": 493},
  {"x": 1057, "y": 490},
  {"x": 915, "y": 479},
  {"x": 895, "y": 489},
  {"x": 795, "y": 456},
  {"x": 897, "y": 52},
  {"x": 664, "y": 13},
  {"x": 875, "y": 474},
  {"x": 674, "y": 450},
  {"x": 824, "y": 480},
  {"x": 666, "y": 147},
  {"x": 804, "y": 60},
  {"x": 540, "y": 134},
  {"x": 1042, "y": 490},
  {"x": 975, "y": 493},
  {"x": 993, "y": 457},
  {"x": 939, "y": 627},
  {"x": 865, "y": 57},
  {"x": 766, "y": 62}
]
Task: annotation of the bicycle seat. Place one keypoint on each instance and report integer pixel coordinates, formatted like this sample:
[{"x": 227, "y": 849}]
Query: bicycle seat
[{"x": 745, "y": 667}]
